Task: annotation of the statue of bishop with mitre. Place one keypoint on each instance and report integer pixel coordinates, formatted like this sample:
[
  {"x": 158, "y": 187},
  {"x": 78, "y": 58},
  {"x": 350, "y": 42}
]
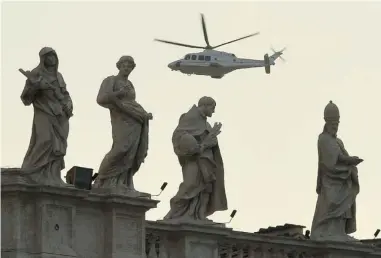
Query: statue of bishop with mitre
[{"x": 337, "y": 184}]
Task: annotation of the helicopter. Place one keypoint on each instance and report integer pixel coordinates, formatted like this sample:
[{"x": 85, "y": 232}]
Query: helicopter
[{"x": 216, "y": 64}]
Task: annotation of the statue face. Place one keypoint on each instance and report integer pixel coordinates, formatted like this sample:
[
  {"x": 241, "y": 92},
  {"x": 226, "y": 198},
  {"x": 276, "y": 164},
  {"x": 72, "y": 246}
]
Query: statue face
[
  {"x": 333, "y": 127},
  {"x": 50, "y": 59},
  {"x": 126, "y": 68},
  {"x": 209, "y": 110}
]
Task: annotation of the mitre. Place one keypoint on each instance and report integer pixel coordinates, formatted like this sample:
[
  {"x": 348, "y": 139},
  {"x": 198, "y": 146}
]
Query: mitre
[{"x": 331, "y": 112}]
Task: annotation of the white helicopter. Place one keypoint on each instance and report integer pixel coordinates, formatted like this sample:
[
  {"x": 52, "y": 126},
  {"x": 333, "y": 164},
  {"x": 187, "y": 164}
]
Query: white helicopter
[{"x": 217, "y": 63}]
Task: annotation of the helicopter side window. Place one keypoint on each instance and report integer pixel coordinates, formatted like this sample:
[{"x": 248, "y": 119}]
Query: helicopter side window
[
  {"x": 187, "y": 57},
  {"x": 201, "y": 58},
  {"x": 194, "y": 57},
  {"x": 207, "y": 58}
]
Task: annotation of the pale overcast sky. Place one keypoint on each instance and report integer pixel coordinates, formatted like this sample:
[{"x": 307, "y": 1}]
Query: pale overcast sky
[{"x": 270, "y": 122}]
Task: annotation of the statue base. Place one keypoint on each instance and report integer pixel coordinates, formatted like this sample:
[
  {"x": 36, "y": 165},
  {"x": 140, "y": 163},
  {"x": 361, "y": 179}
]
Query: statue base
[
  {"x": 18, "y": 176},
  {"x": 187, "y": 239},
  {"x": 14, "y": 176},
  {"x": 336, "y": 238},
  {"x": 41, "y": 221},
  {"x": 121, "y": 191}
]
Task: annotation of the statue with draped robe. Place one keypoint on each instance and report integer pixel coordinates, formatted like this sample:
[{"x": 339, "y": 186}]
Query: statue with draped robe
[
  {"x": 202, "y": 191},
  {"x": 129, "y": 122},
  {"x": 45, "y": 89},
  {"x": 337, "y": 184}
]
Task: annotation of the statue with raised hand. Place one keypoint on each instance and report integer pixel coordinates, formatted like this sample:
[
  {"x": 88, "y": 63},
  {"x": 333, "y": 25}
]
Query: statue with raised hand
[
  {"x": 45, "y": 89},
  {"x": 202, "y": 191}
]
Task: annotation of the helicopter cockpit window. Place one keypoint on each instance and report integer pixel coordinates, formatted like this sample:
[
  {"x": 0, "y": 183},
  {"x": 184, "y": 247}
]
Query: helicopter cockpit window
[
  {"x": 207, "y": 58},
  {"x": 201, "y": 58},
  {"x": 187, "y": 57},
  {"x": 194, "y": 57},
  {"x": 233, "y": 55}
]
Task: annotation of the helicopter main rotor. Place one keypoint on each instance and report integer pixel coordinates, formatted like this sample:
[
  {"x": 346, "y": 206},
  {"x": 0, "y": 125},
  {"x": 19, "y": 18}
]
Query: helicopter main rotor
[{"x": 208, "y": 46}]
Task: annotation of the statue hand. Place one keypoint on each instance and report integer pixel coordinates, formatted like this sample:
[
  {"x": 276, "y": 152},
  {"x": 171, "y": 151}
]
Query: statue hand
[
  {"x": 120, "y": 93},
  {"x": 41, "y": 84},
  {"x": 44, "y": 85},
  {"x": 357, "y": 161},
  {"x": 216, "y": 130},
  {"x": 35, "y": 81},
  {"x": 354, "y": 160}
]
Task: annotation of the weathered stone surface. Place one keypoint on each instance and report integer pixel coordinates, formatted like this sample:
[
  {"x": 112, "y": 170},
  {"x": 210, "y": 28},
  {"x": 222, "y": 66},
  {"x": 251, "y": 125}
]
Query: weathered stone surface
[
  {"x": 48, "y": 221},
  {"x": 337, "y": 184},
  {"x": 190, "y": 240},
  {"x": 195, "y": 144},
  {"x": 130, "y": 128},
  {"x": 46, "y": 90}
]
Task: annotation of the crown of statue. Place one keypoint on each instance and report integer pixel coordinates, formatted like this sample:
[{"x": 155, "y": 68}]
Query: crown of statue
[{"x": 331, "y": 112}]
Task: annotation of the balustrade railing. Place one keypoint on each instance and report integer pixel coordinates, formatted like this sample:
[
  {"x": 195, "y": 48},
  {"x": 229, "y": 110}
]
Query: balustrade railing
[{"x": 236, "y": 244}]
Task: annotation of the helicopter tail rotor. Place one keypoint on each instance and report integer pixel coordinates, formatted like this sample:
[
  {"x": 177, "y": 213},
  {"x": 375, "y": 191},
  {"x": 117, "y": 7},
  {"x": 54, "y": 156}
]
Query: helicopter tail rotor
[
  {"x": 270, "y": 60},
  {"x": 278, "y": 54}
]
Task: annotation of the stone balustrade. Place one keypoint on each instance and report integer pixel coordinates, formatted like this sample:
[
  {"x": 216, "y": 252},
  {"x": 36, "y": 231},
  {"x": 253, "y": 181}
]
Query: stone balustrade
[
  {"x": 190, "y": 241},
  {"x": 65, "y": 222}
]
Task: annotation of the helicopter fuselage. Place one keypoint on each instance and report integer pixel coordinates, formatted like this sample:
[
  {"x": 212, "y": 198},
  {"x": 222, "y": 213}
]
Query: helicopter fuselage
[
  {"x": 214, "y": 63},
  {"x": 217, "y": 63}
]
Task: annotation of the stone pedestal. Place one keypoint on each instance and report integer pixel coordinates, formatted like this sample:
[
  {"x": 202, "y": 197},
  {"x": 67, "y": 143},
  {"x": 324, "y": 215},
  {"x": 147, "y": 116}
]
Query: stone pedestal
[
  {"x": 188, "y": 240},
  {"x": 56, "y": 222}
]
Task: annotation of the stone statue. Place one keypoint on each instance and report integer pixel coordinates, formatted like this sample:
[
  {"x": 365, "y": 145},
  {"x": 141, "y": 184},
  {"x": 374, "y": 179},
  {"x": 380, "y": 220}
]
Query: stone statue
[
  {"x": 129, "y": 123},
  {"x": 45, "y": 88},
  {"x": 337, "y": 184},
  {"x": 202, "y": 191}
]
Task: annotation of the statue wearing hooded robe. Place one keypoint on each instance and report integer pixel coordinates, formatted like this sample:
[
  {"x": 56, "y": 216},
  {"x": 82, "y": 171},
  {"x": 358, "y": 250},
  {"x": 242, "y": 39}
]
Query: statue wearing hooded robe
[
  {"x": 337, "y": 184},
  {"x": 129, "y": 123},
  {"x": 45, "y": 89},
  {"x": 202, "y": 191}
]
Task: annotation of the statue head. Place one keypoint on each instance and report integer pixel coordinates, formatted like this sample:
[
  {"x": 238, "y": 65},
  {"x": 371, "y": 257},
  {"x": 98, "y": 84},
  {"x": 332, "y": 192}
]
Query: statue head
[
  {"x": 207, "y": 106},
  {"x": 48, "y": 57},
  {"x": 125, "y": 65},
  {"x": 332, "y": 118}
]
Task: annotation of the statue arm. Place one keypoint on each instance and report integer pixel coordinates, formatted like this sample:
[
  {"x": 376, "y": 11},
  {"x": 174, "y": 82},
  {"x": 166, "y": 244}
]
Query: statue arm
[
  {"x": 133, "y": 109},
  {"x": 330, "y": 154},
  {"x": 108, "y": 98},
  {"x": 106, "y": 94},
  {"x": 344, "y": 159},
  {"x": 28, "y": 94}
]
